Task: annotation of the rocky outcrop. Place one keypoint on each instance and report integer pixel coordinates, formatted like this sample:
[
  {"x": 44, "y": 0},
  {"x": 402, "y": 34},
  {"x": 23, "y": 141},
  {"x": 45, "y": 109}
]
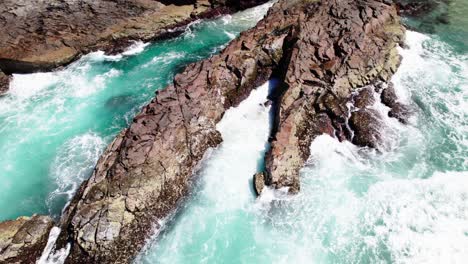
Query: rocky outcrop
[
  {"x": 337, "y": 47},
  {"x": 323, "y": 52},
  {"x": 23, "y": 240},
  {"x": 43, "y": 35},
  {"x": 147, "y": 170}
]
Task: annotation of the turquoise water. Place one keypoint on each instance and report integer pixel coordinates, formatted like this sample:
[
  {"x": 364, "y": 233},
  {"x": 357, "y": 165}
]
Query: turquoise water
[
  {"x": 408, "y": 204},
  {"x": 54, "y": 126}
]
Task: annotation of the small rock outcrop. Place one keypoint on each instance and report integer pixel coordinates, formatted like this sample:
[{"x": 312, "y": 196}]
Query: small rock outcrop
[
  {"x": 23, "y": 240},
  {"x": 4, "y": 80}
]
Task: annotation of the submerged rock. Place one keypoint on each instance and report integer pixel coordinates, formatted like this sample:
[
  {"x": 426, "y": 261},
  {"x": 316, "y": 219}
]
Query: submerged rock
[{"x": 23, "y": 240}]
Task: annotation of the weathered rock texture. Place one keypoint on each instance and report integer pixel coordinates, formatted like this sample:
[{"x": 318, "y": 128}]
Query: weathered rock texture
[
  {"x": 337, "y": 47},
  {"x": 42, "y": 35},
  {"x": 322, "y": 52},
  {"x": 23, "y": 240}
]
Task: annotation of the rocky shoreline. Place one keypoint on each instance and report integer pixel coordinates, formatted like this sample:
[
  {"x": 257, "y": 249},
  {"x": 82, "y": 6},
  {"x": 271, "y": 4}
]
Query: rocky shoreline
[
  {"x": 331, "y": 59},
  {"x": 46, "y": 35}
]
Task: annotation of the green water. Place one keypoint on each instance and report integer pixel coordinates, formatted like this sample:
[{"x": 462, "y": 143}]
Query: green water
[{"x": 53, "y": 126}]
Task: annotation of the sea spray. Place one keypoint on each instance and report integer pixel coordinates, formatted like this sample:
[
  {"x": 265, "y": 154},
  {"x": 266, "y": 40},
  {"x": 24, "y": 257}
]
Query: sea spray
[{"x": 72, "y": 165}]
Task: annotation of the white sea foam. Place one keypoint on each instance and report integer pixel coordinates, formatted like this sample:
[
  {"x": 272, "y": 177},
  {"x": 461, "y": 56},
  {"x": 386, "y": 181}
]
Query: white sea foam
[
  {"x": 27, "y": 85},
  {"x": 50, "y": 255},
  {"x": 73, "y": 164},
  {"x": 165, "y": 58},
  {"x": 225, "y": 177},
  {"x": 136, "y": 48},
  {"x": 229, "y": 34},
  {"x": 84, "y": 87}
]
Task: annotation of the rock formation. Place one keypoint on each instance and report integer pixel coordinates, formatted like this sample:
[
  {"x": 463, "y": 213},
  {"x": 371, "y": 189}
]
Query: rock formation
[
  {"x": 330, "y": 57},
  {"x": 336, "y": 48},
  {"x": 44, "y": 35},
  {"x": 23, "y": 240},
  {"x": 322, "y": 52}
]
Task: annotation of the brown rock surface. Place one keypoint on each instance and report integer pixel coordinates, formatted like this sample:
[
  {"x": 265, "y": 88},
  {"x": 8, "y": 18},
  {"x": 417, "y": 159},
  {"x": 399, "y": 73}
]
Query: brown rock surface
[
  {"x": 339, "y": 47},
  {"x": 23, "y": 240}
]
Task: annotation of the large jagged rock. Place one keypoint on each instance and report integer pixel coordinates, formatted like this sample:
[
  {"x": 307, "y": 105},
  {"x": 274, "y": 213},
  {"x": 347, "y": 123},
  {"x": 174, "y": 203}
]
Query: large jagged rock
[
  {"x": 336, "y": 48},
  {"x": 321, "y": 51},
  {"x": 147, "y": 170},
  {"x": 23, "y": 240},
  {"x": 42, "y": 35}
]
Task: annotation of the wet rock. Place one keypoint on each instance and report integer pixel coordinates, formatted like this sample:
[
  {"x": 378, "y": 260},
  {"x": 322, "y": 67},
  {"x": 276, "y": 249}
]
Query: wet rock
[
  {"x": 366, "y": 125},
  {"x": 401, "y": 112},
  {"x": 147, "y": 169},
  {"x": 364, "y": 98},
  {"x": 259, "y": 182},
  {"x": 23, "y": 240},
  {"x": 4, "y": 82},
  {"x": 398, "y": 110},
  {"x": 388, "y": 95}
]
